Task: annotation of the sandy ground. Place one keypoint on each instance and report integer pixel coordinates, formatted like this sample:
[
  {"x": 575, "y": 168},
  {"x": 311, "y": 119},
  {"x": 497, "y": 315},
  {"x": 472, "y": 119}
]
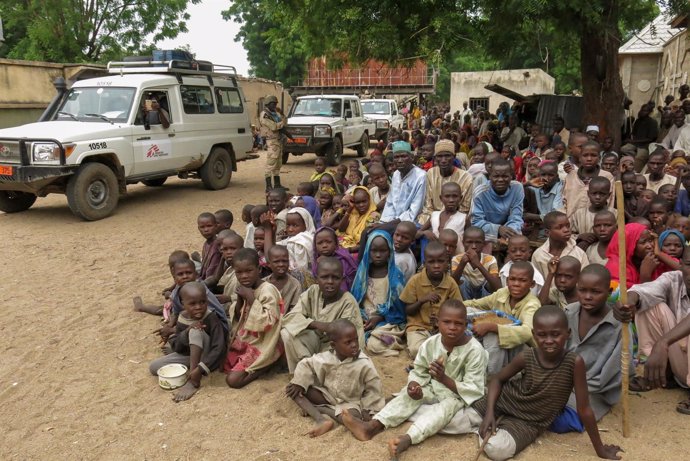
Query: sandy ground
[{"x": 74, "y": 382}]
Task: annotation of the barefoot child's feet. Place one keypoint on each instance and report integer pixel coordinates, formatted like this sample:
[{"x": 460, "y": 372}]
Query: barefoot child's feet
[
  {"x": 321, "y": 428},
  {"x": 398, "y": 445},
  {"x": 185, "y": 392},
  {"x": 361, "y": 430}
]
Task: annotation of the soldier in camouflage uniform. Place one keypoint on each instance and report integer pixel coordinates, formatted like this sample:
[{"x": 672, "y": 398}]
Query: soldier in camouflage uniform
[{"x": 272, "y": 123}]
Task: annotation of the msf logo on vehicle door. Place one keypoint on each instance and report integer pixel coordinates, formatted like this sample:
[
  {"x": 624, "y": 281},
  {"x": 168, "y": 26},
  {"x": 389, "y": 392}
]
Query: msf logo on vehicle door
[{"x": 157, "y": 150}]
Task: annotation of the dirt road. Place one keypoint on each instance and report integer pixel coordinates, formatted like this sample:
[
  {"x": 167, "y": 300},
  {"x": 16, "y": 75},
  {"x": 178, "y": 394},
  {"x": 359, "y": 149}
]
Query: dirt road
[{"x": 74, "y": 382}]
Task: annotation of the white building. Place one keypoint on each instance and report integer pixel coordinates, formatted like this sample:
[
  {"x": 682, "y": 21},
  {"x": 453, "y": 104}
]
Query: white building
[{"x": 470, "y": 86}]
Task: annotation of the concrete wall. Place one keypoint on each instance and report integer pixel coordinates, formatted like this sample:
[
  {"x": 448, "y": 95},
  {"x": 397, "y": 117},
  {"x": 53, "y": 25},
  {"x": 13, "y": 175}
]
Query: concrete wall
[
  {"x": 26, "y": 89},
  {"x": 653, "y": 76},
  {"x": 640, "y": 75},
  {"x": 466, "y": 85},
  {"x": 256, "y": 89}
]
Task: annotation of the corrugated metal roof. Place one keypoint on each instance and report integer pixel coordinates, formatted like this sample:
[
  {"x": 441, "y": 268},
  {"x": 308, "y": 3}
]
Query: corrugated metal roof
[{"x": 652, "y": 38}]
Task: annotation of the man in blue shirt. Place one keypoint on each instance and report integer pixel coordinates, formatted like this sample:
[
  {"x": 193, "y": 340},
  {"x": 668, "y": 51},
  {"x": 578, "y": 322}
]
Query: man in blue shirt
[
  {"x": 406, "y": 197},
  {"x": 497, "y": 207}
]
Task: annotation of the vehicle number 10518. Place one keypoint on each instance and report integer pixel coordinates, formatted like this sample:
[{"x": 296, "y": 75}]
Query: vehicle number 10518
[{"x": 98, "y": 145}]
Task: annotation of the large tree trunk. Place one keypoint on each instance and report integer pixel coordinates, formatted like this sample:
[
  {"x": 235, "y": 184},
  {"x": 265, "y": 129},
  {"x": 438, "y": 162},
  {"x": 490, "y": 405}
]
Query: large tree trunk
[{"x": 601, "y": 82}]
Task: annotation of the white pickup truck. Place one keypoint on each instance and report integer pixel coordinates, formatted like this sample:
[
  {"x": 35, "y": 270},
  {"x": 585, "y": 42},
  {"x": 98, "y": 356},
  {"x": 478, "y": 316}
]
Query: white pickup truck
[
  {"x": 110, "y": 131},
  {"x": 385, "y": 114},
  {"x": 326, "y": 124}
]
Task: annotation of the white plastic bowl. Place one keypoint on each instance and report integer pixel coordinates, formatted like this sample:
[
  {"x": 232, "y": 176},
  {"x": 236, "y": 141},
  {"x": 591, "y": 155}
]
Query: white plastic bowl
[{"x": 172, "y": 376}]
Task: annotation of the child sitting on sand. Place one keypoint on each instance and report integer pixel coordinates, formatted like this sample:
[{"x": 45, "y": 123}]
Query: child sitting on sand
[
  {"x": 403, "y": 237},
  {"x": 306, "y": 327},
  {"x": 199, "y": 341},
  {"x": 563, "y": 275},
  {"x": 256, "y": 341},
  {"x": 424, "y": 294},
  {"x": 289, "y": 287},
  {"x": 519, "y": 250},
  {"x": 210, "y": 254},
  {"x": 448, "y": 218},
  {"x": 595, "y": 335},
  {"x": 166, "y": 308},
  {"x": 503, "y": 342},
  {"x": 184, "y": 271},
  {"x": 449, "y": 374},
  {"x": 228, "y": 247},
  {"x": 527, "y": 395},
  {"x": 377, "y": 289},
  {"x": 326, "y": 244},
  {"x": 474, "y": 271},
  {"x": 318, "y": 388}
]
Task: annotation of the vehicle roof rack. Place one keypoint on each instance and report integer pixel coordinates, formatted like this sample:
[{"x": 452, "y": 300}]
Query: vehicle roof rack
[{"x": 175, "y": 67}]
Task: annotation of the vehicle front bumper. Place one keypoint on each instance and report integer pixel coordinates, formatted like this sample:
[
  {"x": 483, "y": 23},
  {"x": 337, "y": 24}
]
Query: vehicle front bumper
[
  {"x": 311, "y": 145},
  {"x": 26, "y": 177}
]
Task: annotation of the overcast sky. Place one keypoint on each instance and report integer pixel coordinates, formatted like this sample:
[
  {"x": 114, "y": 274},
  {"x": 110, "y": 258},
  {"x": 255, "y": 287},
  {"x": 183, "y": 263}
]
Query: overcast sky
[{"x": 210, "y": 37}]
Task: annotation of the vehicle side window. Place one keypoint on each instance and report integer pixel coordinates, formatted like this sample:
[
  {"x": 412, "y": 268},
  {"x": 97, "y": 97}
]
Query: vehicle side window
[
  {"x": 197, "y": 99},
  {"x": 147, "y": 99},
  {"x": 229, "y": 101},
  {"x": 356, "y": 112},
  {"x": 346, "y": 107},
  {"x": 394, "y": 109}
]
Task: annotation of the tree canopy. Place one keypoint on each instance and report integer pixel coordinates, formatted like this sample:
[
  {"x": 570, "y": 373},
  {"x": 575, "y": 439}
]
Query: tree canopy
[{"x": 88, "y": 30}]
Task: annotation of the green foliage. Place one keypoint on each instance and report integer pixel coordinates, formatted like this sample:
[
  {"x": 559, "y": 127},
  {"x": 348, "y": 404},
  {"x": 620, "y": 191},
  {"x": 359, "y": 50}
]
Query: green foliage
[
  {"x": 88, "y": 31},
  {"x": 272, "y": 39}
]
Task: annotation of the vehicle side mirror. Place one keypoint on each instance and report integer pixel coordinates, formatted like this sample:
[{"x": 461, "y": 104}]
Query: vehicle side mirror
[{"x": 348, "y": 114}]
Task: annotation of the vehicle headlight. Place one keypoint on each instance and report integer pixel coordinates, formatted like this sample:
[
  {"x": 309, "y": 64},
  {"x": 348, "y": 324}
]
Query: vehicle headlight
[
  {"x": 322, "y": 131},
  {"x": 382, "y": 124},
  {"x": 49, "y": 152}
]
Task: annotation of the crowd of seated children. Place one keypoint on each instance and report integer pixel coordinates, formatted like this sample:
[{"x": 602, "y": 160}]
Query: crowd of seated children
[{"x": 319, "y": 283}]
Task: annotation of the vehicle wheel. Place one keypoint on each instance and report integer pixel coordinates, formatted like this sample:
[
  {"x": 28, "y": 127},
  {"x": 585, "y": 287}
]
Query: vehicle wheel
[
  {"x": 158, "y": 182},
  {"x": 92, "y": 193},
  {"x": 363, "y": 148},
  {"x": 384, "y": 138},
  {"x": 217, "y": 171},
  {"x": 12, "y": 201},
  {"x": 286, "y": 157},
  {"x": 334, "y": 152}
]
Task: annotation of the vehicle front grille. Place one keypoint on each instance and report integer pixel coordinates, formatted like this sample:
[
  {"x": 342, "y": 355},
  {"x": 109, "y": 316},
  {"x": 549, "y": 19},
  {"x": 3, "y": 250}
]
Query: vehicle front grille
[
  {"x": 9, "y": 152},
  {"x": 300, "y": 130}
]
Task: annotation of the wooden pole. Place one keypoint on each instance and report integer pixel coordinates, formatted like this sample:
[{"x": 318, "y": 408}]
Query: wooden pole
[{"x": 625, "y": 346}]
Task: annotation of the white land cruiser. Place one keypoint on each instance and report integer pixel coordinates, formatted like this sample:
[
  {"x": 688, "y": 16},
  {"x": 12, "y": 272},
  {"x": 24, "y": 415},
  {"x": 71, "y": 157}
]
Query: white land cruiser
[
  {"x": 101, "y": 137},
  {"x": 325, "y": 125},
  {"x": 386, "y": 115}
]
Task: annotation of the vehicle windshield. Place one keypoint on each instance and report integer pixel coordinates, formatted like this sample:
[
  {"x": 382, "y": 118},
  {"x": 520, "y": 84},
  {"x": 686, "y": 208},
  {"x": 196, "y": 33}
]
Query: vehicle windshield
[
  {"x": 101, "y": 104},
  {"x": 376, "y": 107},
  {"x": 319, "y": 107}
]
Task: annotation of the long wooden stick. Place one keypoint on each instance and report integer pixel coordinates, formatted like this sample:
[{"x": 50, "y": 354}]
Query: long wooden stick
[
  {"x": 625, "y": 346},
  {"x": 486, "y": 439}
]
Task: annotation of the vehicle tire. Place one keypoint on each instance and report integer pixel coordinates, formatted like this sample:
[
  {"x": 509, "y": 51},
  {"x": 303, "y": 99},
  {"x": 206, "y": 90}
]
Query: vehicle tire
[
  {"x": 93, "y": 193},
  {"x": 334, "y": 152},
  {"x": 12, "y": 201},
  {"x": 286, "y": 157},
  {"x": 157, "y": 182},
  {"x": 384, "y": 138},
  {"x": 217, "y": 171},
  {"x": 363, "y": 148}
]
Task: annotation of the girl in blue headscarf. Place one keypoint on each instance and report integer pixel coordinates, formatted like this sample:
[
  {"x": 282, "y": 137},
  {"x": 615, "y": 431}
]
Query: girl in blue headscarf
[
  {"x": 377, "y": 287},
  {"x": 669, "y": 250},
  {"x": 310, "y": 204}
]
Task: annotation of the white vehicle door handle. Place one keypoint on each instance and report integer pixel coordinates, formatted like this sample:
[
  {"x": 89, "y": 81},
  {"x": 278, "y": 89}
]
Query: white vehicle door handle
[
  {"x": 171, "y": 135},
  {"x": 144, "y": 138}
]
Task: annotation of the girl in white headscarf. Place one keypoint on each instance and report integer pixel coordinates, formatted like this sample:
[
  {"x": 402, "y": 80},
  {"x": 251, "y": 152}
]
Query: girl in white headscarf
[{"x": 299, "y": 227}]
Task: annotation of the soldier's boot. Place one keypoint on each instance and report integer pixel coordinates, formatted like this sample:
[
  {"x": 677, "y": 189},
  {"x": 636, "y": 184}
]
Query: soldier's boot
[
  {"x": 269, "y": 186},
  {"x": 276, "y": 183}
]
